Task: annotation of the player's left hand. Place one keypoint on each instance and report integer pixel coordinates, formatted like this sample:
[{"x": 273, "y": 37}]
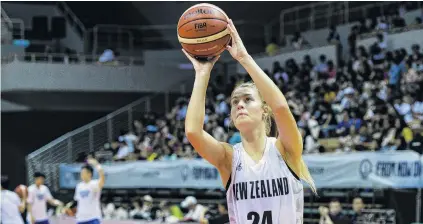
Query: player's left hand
[
  {"x": 237, "y": 48},
  {"x": 92, "y": 161},
  {"x": 58, "y": 203}
]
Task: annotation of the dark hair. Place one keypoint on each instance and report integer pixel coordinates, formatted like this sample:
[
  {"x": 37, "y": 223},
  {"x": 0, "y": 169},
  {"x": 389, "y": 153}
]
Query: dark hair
[
  {"x": 39, "y": 174},
  {"x": 322, "y": 58},
  {"x": 4, "y": 181},
  {"x": 88, "y": 168},
  {"x": 334, "y": 200}
]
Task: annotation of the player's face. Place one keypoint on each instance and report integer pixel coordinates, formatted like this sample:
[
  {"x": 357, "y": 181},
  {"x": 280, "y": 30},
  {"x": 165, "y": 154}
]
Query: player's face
[
  {"x": 39, "y": 181},
  {"x": 246, "y": 108},
  {"x": 85, "y": 175}
]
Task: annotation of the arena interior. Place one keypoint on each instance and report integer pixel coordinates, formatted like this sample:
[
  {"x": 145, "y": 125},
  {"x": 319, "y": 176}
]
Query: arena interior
[{"x": 109, "y": 80}]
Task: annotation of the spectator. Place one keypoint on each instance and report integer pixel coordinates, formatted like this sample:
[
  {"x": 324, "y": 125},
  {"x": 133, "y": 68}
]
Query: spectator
[
  {"x": 333, "y": 215},
  {"x": 109, "y": 57},
  {"x": 216, "y": 216},
  {"x": 398, "y": 20},
  {"x": 136, "y": 212},
  {"x": 358, "y": 207},
  {"x": 352, "y": 40},
  {"x": 272, "y": 48},
  {"x": 333, "y": 36},
  {"x": 121, "y": 213},
  {"x": 123, "y": 152},
  {"x": 195, "y": 210},
  {"x": 322, "y": 67},
  {"x": 298, "y": 41}
]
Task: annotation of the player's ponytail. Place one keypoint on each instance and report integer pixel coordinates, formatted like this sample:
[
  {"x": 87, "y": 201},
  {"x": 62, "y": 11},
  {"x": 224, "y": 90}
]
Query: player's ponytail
[{"x": 306, "y": 176}]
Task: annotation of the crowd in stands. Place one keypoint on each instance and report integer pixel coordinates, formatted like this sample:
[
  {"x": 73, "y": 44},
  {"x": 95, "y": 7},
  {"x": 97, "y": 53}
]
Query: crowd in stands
[{"x": 373, "y": 101}]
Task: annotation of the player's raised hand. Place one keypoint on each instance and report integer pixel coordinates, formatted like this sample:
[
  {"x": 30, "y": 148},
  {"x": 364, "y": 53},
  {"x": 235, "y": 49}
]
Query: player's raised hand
[
  {"x": 92, "y": 161},
  {"x": 200, "y": 66},
  {"x": 236, "y": 48}
]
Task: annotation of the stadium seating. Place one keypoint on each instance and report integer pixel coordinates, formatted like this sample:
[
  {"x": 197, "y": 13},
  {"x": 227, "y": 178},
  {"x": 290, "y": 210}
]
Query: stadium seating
[{"x": 370, "y": 99}]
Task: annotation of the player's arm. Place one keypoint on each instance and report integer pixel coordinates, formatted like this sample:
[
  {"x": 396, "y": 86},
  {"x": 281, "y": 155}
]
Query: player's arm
[
  {"x": 22, "y": 202},
  {"x": 52, "y": 201},
  {"x": 209, "y": 148},
  {"x": 289, "y": 137},
  {"x": 30, "y": 200},
  {"x": 93, "y": 162}
]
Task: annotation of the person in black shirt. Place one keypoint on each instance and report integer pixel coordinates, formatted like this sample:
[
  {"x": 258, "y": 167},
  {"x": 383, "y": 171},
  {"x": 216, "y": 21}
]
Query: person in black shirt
[
  {"x": 352, "y": 39},
  {"x": 357, "y": 206},
  {"x": 333, "y": 215}
]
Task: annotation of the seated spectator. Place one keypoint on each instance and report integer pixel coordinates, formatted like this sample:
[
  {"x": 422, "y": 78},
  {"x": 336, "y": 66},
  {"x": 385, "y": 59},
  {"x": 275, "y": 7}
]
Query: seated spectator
[
  {"x": 109, "y": 211},
  {"x": 195, "y": 210},
  {"x": 333, "y": 215},
  {"x": 322, "y": 67},
  {"x": 352, "y": 40},
  {"x": 333, "y": 36},
  {"x": 123, "y": 152},
  {"x": 121, "y": 213},
  {"x": 358, "y": 206},
  {"x": 298, "y": 42},
  {"x": 109, "y": 57},
  {"x": 398, "y": 21},
  {"x": 168, "y": 213},
  {"x": 216, "y": 216},
  {"x": 381, "y": 24},
  {"x": 272, "y": 48}
]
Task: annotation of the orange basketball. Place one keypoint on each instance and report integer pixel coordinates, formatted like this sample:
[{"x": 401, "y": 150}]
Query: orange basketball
[
  {"x": 20, "y": 189},
  {"x": 203, "y": 31}
]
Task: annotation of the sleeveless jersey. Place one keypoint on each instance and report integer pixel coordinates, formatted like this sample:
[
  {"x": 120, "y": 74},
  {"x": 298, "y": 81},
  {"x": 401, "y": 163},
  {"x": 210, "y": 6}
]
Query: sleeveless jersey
[{"x": 267, "y": 192}]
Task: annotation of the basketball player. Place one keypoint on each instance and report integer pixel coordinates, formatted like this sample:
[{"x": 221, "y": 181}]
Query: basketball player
[
  {"x": 38, "y": 196},
  {"x": 261, "y": 174},
  {"x": 88, "y": 193},
  {"x": 11, "y": 205}
]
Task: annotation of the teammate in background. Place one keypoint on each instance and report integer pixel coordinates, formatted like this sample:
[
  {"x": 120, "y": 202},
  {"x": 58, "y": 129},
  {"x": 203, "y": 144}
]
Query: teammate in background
[
  {"x": 88, "y": 193},
  {"x": 38, "y": 196},
  {"x": 261, "y": 174},
  {"x": 11, "y": 205}
]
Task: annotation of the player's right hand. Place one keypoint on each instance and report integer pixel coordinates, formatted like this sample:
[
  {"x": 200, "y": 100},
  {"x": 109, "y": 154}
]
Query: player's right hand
[{"x": 202, "y": 68}]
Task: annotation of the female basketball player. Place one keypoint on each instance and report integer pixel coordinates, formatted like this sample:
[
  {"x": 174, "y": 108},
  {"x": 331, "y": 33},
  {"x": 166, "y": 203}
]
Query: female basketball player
[{"x": 261, "y": 174}]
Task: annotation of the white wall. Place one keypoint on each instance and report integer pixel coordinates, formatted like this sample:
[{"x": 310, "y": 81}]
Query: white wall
[
  {"x": 19, "y": 75},
  {"x": 267, "y": 62},
  {"x": 396, "y": 41}
]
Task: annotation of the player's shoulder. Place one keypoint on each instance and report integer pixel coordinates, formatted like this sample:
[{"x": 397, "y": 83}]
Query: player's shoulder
[
  {"x": 10, "y": 194},
  {"x": 44, "y": 187},
  {"x": 32, "y": 187}
]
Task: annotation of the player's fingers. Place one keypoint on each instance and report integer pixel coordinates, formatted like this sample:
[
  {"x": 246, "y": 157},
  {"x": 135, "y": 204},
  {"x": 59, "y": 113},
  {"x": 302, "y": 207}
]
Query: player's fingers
[
  {"x": 188, "y": 56},
  {"x": 215, "y": 59},
  {"x": 233, "y": 28},
  {"x": 233, "y": 34}
]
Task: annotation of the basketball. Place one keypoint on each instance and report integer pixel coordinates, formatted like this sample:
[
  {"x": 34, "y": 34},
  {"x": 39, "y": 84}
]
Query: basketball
[
  {"x": 20, "y": 189},
  {"x": 203, "y": 32}
]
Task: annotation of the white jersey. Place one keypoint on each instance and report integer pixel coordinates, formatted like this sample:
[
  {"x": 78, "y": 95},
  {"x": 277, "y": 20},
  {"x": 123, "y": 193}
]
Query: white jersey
[
  {"x": 10, "y": 203},
  {"x": 88, "y": 197},
  {"x": 266, "y": 192},
  {"x": 38, "y": 198}
]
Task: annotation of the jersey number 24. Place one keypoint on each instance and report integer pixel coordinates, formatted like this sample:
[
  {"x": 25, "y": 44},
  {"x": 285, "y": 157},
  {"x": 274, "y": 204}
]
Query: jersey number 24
[{"x": 265, "y": 219}]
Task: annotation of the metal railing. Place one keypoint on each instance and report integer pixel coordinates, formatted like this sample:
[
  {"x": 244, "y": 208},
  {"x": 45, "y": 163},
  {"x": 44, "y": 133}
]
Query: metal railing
[
  {"x": 91, "y": 137},
  {"x": 321, "y": 15},
  {"x": 60, "y": 58},
  {"x": 15, "y": 28},
  {"x": 73, "y": 20}
]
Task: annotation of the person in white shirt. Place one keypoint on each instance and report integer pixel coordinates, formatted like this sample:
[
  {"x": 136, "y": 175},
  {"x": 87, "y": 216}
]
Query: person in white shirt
[
  {"x": 88, "y": 193},
  {"x": 195, "y": 211},
  {"x": 11, "y": 205},
  {"x": 38, "y": 196}
]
